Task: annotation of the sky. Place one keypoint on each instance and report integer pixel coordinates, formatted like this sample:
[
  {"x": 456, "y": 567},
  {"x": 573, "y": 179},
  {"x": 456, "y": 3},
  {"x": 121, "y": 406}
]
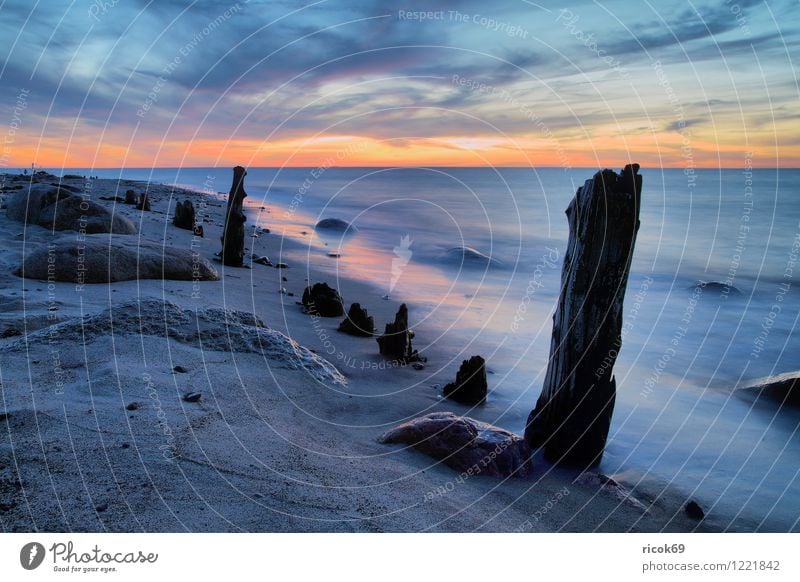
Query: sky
[{"x": 134, "y": 83}]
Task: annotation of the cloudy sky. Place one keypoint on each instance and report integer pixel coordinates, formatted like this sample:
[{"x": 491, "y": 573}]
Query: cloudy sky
[{"x": 139, "y": 83}]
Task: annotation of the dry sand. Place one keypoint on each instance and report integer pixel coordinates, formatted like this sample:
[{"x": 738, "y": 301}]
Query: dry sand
[{"x": 96, "y": 436}]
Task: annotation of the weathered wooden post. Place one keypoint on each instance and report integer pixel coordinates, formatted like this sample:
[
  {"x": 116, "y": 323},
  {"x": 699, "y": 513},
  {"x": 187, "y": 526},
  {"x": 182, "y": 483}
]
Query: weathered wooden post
[
  {"x": 573, "y": 412},
  {"x": 233, "y": 233}
]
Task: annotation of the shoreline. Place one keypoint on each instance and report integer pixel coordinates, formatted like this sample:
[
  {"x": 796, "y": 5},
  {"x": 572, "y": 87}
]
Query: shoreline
[{"x": 265, "y": 449}]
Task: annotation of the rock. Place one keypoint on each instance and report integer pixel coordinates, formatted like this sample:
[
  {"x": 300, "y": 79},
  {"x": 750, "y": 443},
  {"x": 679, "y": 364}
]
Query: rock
[
  {"x": 144, "y": 202},
  {"x": 323, "y": 300},
  {"x": 212, "y": 329},
  {"x": 73, "y": 189},
  {"x": 111, "y": 198},
  {"x": 694, "y": 510},
  {"x": 281, "y": 266},
  {"x": 395, "y": 342},
  {"x": 470, "y": 386},
  {"x": 336, "y": 224},
  {"x": 716, "y": 287},
  {"x": 264, "y": 260},
  {"x": 358, "y": 322},
  {"x": 133, "y": 406},
  {"x": 335, "y": 255},
  {"x": 75, "y": 213},
  {"x": 192, "y": 397},
  {"x": 468, "y": 257},
  {"x": 184, "y": 215},
  {"x": 101, "y": 508},
  {"x": 465, "y": 444},
  {"x": 59, "y": 209},
  {"x": 418, "y": 366},
  {"x": 608, "y": 485},
  {"x": 130, "y": 197},
  {"x": 198, "y": 230},
  {"x": 233, "y": 231},
  {"x": 107, "y": 259},
  {"x": 180, "y": 370},
  {"x": 783, "y": 389}
]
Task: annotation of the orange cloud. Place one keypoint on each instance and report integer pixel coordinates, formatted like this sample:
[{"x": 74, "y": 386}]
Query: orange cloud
[{"x": 605, "y": 148}]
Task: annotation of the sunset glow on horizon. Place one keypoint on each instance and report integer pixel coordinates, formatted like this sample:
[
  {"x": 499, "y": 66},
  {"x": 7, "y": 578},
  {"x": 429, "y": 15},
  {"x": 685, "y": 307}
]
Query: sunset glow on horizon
[{"x": 216, "y": 84}]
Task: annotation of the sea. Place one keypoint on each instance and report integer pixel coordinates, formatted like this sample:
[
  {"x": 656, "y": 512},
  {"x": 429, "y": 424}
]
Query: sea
[{"x": 478, "y": 253}]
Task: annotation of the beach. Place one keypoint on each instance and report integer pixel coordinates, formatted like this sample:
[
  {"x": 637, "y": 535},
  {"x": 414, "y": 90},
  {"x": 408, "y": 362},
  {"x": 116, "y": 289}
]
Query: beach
[{"x": 100, "y": 438}]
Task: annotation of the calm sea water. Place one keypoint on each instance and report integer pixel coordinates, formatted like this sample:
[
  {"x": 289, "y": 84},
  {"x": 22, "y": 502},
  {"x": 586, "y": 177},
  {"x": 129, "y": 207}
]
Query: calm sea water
[{"x": 676, "y": 420}]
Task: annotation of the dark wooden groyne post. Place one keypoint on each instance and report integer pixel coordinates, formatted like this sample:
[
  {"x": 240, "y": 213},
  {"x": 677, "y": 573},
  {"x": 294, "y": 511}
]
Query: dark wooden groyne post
[
  {"x": 233, "y": 233},
  {"x": 573, "y": 412}
]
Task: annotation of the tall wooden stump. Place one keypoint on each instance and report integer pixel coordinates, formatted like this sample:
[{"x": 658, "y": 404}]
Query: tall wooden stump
[
  {"x": 573, "y": 413},
  {"x": 233, "y": 233}
]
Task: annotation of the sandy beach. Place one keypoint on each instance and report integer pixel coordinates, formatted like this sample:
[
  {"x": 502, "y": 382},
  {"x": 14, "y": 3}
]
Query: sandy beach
[{"x": 97, "y": 436}]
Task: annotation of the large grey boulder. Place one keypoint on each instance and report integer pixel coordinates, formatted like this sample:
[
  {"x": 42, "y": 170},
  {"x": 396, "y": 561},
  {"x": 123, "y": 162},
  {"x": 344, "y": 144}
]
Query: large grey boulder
[
  {"x": 106, "y": 259},
  {"x": 465, "y": 444},
  {"x": 59, "y": 208},
  {"x": 26, "y": 204}
]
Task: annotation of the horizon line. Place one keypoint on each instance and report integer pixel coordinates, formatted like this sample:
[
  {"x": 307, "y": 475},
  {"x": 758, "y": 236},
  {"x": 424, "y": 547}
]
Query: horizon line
[{"x": 417, "y": 166}]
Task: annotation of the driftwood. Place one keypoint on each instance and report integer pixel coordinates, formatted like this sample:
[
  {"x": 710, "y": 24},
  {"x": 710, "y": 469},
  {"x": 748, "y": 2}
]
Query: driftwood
[
  {"x": 184, "y": 215},
  {"x": 144, "y": 202},
  {"x": 233, "y": 233},
  {"x": 358, "y": 322},
  {"x": 573, "y": 413},
  {"x": 396, "y": 340},
  {"x": 470, "y": 386}
]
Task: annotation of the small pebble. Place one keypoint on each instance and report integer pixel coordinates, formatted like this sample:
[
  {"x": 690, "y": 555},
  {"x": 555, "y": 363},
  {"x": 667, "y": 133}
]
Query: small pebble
[
  {"x": 180, "y": 369},
  {"x": 192, "y": 397},
  {"x": 133, "y": 406}
]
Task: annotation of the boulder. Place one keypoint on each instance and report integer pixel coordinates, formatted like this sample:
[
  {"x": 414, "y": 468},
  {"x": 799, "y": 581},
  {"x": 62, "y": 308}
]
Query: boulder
[
  {"x": 56, "y": 208},
  {"x": 75, "y": 213},
  {"x": 184, "y": 215},
  {"x": 470, "y": 386},
  {"x": 465, "y": 444},
  {"x": 323, "y": 300},
  {"x": 107, "y": 259},
  {"x": 716, "y": 287},
  {"x": 783, "y": 389},
  {"x": 130, "y": 198},
  {"x": 26, "y": 204},
  {"x": 358, "y": 322},
  {"x": 335, "y": 224},
  {"x": 469, "y": 257},
  {"x": 395, "y": 342}
]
